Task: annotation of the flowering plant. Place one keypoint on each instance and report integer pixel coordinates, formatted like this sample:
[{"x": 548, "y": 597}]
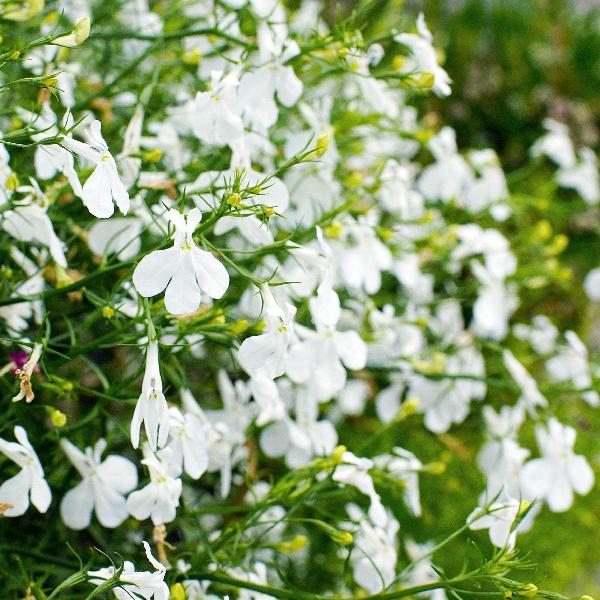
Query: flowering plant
[{"x": 257, "y": 311}]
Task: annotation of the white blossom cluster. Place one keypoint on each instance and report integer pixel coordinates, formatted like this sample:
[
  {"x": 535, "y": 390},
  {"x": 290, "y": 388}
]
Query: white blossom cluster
[{"x": 351, "y": 262}]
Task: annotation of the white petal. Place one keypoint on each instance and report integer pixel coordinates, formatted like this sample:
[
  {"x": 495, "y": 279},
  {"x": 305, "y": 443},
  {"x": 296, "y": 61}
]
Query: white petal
[
  {"x": 15, "y": 491},
  {"x": 155, "y": 270},
  {"x": 212, "y": 276},
  {"x": 77, "y": 505},
  {"x": 183, "y": 294},
  {"x": 97, "y": 194}
]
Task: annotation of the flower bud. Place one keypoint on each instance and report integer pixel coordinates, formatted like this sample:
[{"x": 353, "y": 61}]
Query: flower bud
[
  {"x": 337, "y": 454},
  {"x": 23, "y": 11},
  {"x": 177, "y": 592},
  {"x": 80, "y": 33},
  {"x": 58, "y": 419},
  {"x": 529, "y": 590},
  {"x": 108, "y": 312},
  {"x": 296, "y": 543},
  {"x": 192, "y": 57},
  {"x": 333, "y": 231},
  {"x": 233, "y": 199},
  {"x": 153, "y": 155},
  {"x": 322, "y": 144}
]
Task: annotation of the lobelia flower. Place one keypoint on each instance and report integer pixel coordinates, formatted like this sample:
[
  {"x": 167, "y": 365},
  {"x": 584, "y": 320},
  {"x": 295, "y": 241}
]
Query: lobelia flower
[
  {"x": 184, "y": 270},
  {"x": 423, "y": 56},
  {"x": 531, "y": 396},
  {"x": 102, "y": 489},
  {"x": 220, "y": 437},
  {"x": 555, "y": 144},
  {"x": 272, "y": 78},
  {"x": 215, "y": 116},
  {"x": 135, "y": 585},
  {"x": 300, "y": 439},
  {"x": 159, "y": 499},
  {"x": 267, "y": 354},
  {"x": 374, "y": 555},
  {"x": 447, "y": 177},
  {"x": 321, "y": 357},
  {"x": 29, "y": 483},
  {"x": 355, "y": 471},
  {"x": 151, "y": 407},
  {"x": 361, "y": 256},
  {"x": 29, "y": 222},
  {"x": 187, "y": 443},
  {"x": 24, "y": 375},
  {"x": 446, "y": 401},
  {"x": 104, "y": 185},
  {"x": 501, "y": 458},
  {"x": 571, "y": 364},
  {"x": 500, "y": 519},
  {"x": 404, "y": 466},
  {"x": 559, "y": 472},
  {"x": 120, "y": 236},
  {"x": 50, "y": 159},
  {"x": 582, "y": 177}
]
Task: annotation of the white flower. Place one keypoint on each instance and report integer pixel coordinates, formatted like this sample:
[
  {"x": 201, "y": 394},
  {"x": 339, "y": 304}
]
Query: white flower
[
  {"x": 187, "y": 443},
  {"x": 541, "y": 334},
  {"x": 559, "y": 472},
  {"x": 447, "y": 177},
  {"x": 501, "y": 458},
  {"x": 355, "y": 471},
  {"x": 50, "y": 159},
  {"x": 30, "y": 223},
  {"x": 215, "y": 116},
  {"x": 102, "y": 488},
  {"x": 582, "y": 176},
  {"x": 424, "y": 58},
  {"x": 29, "y": 483},
  {"x": 303, "y": 438},
  {"x": 531, "y": 396},
  {"x": 116, "y": 236},
  {"x": 591, "y": 284},
  {"x": 159, "y": 499},
  {"x": 151, "y": 407},
  {"x": 136, "y": 585},
  {"x": 361, "y": 256},
  {"x": 258, "y": 88},
  {"x": 447, "y": 401},
  {"x": 374, "y": 554},
  {"x": 571, "y": 364},
  {"x": 500, "y": 519},
  {"x": 267, "y": 353},
  {"x": 103, "y": 185},
  {"x": 405, "y": 466},
  {"x": 321, "y": 357},
  {"x": 555, "y": 144},
  {"x": 495, "y": 304},
  {"x": 184, "y": 270}
]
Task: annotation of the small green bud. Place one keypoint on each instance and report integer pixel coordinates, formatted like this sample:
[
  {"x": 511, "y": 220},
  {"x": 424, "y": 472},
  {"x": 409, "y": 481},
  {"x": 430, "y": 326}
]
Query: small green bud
[
  {"x": 296, "y": 543},
  {"x": 177, "y": 592},
  {"x": 239, "y": 326},
  {"x": 424, "y": 81},
  {"x": 529, "y": 590},
  {"x": 233, "y": 199},
  {"x": 333, "y": 231},
  {"x": 322, "y": 144},
  {"x": 58, "y": 418},
  {"x": 153, "y": 155},
  {"x": 192, "y": 57},
  {"x": 108, "y": 312}
]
